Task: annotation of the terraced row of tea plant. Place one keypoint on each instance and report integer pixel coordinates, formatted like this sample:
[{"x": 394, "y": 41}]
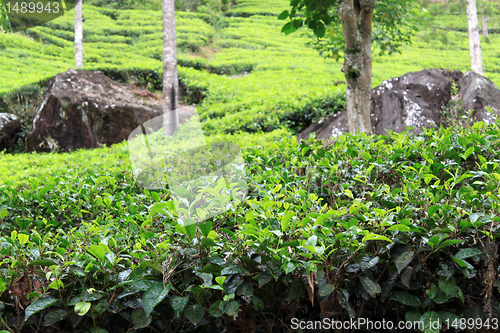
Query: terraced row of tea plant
[
  {"x": 396, "y": 226},
  {"x": 288, "y": 83}
]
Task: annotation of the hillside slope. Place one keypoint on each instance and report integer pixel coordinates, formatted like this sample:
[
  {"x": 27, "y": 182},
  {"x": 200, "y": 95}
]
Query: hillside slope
[{"x": 288, "y": 83}]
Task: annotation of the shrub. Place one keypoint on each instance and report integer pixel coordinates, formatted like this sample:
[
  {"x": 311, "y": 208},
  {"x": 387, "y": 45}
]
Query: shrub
[
  {"x": 376, "y": 227},
  {"x": 24, "y": 103}
]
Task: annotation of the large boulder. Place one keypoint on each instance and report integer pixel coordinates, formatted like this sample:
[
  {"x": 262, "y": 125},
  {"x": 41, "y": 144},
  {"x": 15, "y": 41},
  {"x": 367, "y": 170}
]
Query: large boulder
[
  {"x": 478, "y": 93},
  {"x": 9, "y": 127},
  {"x": 412, "y": 100},
  {"x": 86, "y": 109}
]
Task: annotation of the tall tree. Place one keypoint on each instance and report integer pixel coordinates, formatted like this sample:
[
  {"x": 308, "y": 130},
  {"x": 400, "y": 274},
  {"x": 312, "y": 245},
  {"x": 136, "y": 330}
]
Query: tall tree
[
  {"x": 474, "y": 42},
  {"x": 394, "y": 27},
  {"x": 78, "y": 35},
  {"x": 170, "y": 80},
  {"x": 484, "y": 18}
]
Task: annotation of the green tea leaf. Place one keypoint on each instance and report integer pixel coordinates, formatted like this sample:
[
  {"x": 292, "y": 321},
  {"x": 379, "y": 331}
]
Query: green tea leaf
[
  {"x": 245, "y": 289},
  {"x": 441, "y": 298},
  {"x": 98, "y": 251},
  {"x": 178, "y": 304},
  {"x": 368, "y": 262},
  {"x": 23, "y": 238},
  {"x": 207, "y": 279},
  {"x": 139, "y": 318},
  {"x": 81, "y": 308},
  {"x": 3, "y": 286},
  {"x": 371, "y": 286},
  {"x": 405, "y": 298},
  {"x": 42, "y": 262},
  {"x": 467, "y": 253},
  {"x": 325, "y": 289},
  {"x": 404, "y": 259},
  {"x": 216, "y": 309},
  {"x": 231, "y": 308},
  {"x": 152, "y": 297},
  {"x": 399, "y": 227},
  {"x": 38, "y": 305},
  {"x": 286, "y": 220},
  {"x": 311, "y": 241},
  {"x": 450, "y": 318},
  {"x": 468, "y": 152},
  {"x": 283, "y": 15},
  {"x": 205, "y": 228},
  {"x": 433, "y": 210},
  {"x": 158, "y": 207},
  {"x": 234, "y": 269},
  {"x": 56, "y": 284},
  {"x": 448, "y": 243},
  {"x": 412, "y": 316},
  {"x": 447, "y": 286},
  {"x": 264, "y": 278},
  {"x": 54, "y": 316},
  {"x": 375, "y": 237},
  {"x": 430, "y": 318},
  {"x": 194, "y": 313}
]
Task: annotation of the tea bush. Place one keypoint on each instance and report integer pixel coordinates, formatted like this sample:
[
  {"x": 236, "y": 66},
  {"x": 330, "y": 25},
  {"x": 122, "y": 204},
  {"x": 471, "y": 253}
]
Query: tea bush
[
  {"x": 259, "y": 80},
  {"x": 396, "y": 226}
]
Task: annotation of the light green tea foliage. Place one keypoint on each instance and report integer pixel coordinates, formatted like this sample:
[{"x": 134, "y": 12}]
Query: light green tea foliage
[
  {"x": 20, "y": 168},
  {"x": 396, "y": 221},
  {"x": 258, "y": 79},
  {"x": 405, "y": 220}
]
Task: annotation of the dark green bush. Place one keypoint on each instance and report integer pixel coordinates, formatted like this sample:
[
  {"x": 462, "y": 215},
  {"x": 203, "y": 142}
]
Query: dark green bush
[
  {"x": 394, "y": 227},
  {"x": 299, "y": 119},
  {"x": 24, "y": 103}
]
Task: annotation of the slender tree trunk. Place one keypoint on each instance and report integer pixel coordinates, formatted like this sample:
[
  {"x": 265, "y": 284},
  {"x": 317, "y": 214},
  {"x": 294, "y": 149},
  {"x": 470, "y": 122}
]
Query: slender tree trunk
[
  {"x": 474, "y": 42},
  {"x": 78, "y": 35},
  {"x": 356, "y": 16},
  {"x": 170, "y": 80},
  {"x": 446, "y": 5},
  {"x": 485, "y": 23}
]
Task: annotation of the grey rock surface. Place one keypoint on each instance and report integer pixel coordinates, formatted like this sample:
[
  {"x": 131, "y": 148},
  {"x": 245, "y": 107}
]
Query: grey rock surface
[
  {"x": 412, "y": 100},
  {"x": 478, "y": 93},
  {"x": 86, "y": 109},
  {"x": 9, "y": 127}
]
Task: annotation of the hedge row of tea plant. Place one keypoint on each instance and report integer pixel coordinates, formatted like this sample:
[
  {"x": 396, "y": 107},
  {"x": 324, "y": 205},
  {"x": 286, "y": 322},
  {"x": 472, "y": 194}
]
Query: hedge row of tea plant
[
  {"x": 395, "y": 227},
  {"x": 244, "y": 74}
]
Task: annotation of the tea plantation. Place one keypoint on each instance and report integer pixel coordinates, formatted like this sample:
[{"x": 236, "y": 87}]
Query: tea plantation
[{"x": 399, "y": 227}]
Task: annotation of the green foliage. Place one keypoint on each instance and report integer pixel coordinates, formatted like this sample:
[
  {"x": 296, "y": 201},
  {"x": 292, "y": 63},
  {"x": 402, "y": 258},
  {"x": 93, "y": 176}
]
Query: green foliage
[
  {"x": 244, "y": 76},
  {"x": 246, "y": 71},
  {"x": 398, "y": 220},
  {"x": 4, "y": 19},
  {"x": 180, "y": 5},
  {"x": 394, "y": 23},
  {"x": 395, "y": 221},
  {"x": 248, "y": 8}
]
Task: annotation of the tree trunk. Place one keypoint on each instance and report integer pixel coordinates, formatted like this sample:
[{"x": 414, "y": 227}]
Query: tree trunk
[
  {"x": 170, "y": 80},
  {"x": 474, "y": 42},
  {"x": 446, "y": 5},
  {"x": 356, "y": 16},
  {"x": 78, "y": 35},
  {"x": 485, "y": 23}
]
